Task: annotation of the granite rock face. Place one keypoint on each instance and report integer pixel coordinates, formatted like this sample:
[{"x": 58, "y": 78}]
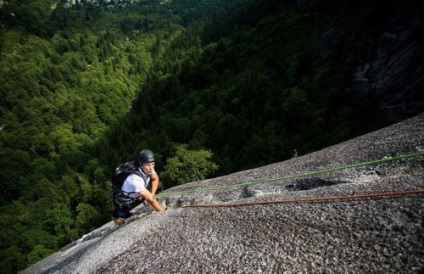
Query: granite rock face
[
  {"x": 382, "y": 42},
  {"x": 256, "y": 232}
]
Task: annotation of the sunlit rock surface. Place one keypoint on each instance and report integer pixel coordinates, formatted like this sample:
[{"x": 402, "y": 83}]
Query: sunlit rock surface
[{"x": 363, "y": 235}]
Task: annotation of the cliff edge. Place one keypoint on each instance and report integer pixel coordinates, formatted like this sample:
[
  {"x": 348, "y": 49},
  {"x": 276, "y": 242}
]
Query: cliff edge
[{"x": 304, "y": 215}]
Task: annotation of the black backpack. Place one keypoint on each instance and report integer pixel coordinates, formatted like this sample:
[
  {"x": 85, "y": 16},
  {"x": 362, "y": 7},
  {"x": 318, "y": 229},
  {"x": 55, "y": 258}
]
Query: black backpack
[
  {"x": 120, "y": 197},
  {"x": 122, "y": 172}
]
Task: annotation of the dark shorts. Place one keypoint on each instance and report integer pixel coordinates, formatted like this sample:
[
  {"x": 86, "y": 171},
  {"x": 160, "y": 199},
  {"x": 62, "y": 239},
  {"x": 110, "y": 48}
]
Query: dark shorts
[{"x": 122, "y": 212}]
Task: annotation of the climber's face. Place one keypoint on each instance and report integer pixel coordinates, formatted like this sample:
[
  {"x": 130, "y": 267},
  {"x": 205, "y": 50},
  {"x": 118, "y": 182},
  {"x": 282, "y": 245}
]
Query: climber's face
[{"x": 148, "y": 168}]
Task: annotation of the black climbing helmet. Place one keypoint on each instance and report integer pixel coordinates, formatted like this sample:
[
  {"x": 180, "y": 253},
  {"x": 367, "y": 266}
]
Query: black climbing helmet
[{"x": 146, "y": 156}]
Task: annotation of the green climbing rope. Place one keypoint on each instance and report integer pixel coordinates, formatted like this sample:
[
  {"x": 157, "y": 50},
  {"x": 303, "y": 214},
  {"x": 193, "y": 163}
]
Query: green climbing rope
[{"x": 296, "y": 176}]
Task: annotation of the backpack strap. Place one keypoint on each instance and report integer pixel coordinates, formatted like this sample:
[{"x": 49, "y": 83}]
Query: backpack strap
[{"x": 123, "y": 198}]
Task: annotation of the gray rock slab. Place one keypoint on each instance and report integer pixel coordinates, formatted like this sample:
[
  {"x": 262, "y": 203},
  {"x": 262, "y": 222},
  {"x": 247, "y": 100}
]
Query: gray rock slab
[{"x": 358, "y": 235}]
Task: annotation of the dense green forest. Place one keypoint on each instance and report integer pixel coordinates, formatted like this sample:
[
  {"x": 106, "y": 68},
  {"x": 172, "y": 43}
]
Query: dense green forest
[{"x": 86, "y": 87}]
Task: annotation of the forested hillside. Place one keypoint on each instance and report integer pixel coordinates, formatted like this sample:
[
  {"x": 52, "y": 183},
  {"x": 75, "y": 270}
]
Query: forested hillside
[{"x": 86, "y": 87}]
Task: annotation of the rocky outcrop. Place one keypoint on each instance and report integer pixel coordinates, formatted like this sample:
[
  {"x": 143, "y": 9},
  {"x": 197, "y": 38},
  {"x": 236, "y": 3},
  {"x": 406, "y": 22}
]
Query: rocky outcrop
[
  {"x": 392, "y": 65},
  {"x": 263, "y": 234},
  {"x": 382, "y": 41}
]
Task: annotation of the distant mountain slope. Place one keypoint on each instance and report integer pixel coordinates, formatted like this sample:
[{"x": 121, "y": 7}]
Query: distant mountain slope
[
  {"x": 354, "y": 235},
  {"x": 255, "y": 82},
  {"x": 278, "y": 78}
]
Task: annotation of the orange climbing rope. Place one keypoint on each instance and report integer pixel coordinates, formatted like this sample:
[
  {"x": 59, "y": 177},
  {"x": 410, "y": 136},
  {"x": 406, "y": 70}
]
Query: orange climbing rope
[{"x": 313, "y": 200}]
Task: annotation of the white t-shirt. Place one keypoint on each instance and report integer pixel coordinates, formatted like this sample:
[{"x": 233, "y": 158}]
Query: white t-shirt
[{"x": 135, "y": 183}]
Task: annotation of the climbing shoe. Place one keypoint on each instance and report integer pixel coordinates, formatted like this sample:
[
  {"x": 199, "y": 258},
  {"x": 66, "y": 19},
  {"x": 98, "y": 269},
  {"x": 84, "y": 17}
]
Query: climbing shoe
[
  {"x": 118, "y": 221},
  {"x": 119, "y": 215}
]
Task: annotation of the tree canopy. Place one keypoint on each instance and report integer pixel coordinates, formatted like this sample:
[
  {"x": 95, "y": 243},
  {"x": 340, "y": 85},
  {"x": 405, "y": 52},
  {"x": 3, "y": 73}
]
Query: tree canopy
[{"x": 211, "y": 86}]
